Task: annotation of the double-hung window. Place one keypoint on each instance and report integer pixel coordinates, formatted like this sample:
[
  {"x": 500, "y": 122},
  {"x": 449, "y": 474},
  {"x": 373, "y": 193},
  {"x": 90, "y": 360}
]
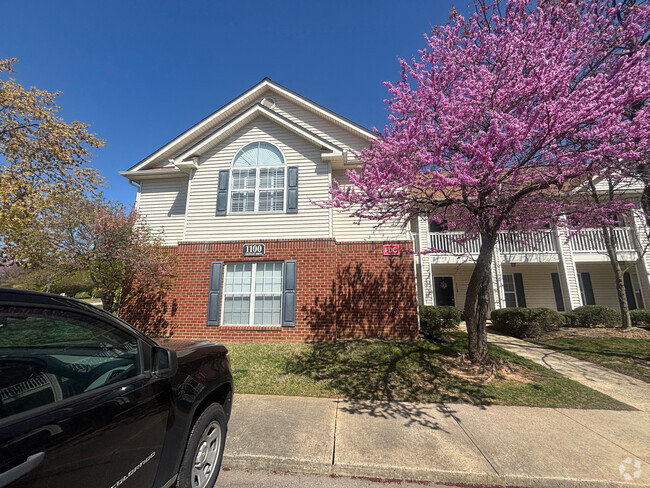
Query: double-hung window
[
  {"x": 509, "y": 290},
  {"x": 258, "y": 179},
  {"x": 253, "y": 293}
]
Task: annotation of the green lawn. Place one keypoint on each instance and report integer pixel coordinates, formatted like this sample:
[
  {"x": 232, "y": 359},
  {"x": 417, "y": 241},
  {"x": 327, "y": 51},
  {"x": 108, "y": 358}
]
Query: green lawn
[
  {"x": 627, "y": 356},
  {"x": 397, "y": 371}
]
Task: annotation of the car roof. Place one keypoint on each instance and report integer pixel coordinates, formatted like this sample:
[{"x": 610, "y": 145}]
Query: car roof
[{"x": 15, "y": 296}]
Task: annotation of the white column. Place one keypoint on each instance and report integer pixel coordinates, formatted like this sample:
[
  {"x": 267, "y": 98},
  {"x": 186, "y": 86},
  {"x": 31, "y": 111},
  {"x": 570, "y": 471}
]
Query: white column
[
  {"x": 570, "y": 285},
  {"x": 498, "y": 294},
  {"x": 643, "y": 249},
  {"x": 425, "y": 261}
]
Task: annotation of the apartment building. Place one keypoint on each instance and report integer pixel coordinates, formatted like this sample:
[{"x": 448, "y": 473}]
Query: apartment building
[{"x": 235, "y": 198}]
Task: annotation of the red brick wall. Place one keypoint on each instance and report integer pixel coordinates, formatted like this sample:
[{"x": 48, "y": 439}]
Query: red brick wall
[{"x": 344, "y": 290}]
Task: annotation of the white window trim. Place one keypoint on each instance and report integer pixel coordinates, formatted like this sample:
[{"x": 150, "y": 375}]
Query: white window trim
[
  {"x": 257, "y": 182},
  {"x": 251, "y": 294},
  {"x": 514, "y": 291}
]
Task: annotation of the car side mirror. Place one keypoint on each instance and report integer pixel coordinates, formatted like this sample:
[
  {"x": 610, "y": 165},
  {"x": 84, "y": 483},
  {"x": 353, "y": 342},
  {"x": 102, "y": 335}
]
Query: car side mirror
[{"x": 165, "y": 362}]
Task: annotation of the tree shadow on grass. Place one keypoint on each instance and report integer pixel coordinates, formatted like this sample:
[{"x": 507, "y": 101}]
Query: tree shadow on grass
[{"x": 387, "y": 378}]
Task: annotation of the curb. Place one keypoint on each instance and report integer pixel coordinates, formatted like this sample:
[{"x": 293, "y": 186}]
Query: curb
[{"x": 307, "y": 466}]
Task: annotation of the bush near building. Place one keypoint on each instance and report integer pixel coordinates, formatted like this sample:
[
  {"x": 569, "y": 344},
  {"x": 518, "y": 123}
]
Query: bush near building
[
  {"x": 526, "y": 322},
  {"x": 433, "y": 319},
  {"x": 593, "y": 316},
  {"x": 640, "y": 318}
]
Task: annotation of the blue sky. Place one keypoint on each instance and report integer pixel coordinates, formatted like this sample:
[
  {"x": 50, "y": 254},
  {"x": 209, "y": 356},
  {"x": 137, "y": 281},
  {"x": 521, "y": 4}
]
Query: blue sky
[{"x": 141, "y": 72}]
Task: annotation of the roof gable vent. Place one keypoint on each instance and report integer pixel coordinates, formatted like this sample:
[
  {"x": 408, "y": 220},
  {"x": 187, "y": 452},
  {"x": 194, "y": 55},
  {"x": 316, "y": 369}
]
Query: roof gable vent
[{"x": 268, "y": 102}]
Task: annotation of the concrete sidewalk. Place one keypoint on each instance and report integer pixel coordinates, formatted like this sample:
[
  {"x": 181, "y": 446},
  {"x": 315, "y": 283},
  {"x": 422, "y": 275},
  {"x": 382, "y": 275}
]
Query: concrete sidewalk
[
  {"x": 623, "y": 388},
  {"x": 515, "y": 446}
]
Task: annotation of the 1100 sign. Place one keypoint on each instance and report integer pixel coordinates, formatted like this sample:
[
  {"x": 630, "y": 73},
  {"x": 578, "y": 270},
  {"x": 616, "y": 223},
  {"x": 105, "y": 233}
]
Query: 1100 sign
[{"x": 253, "y": 250}]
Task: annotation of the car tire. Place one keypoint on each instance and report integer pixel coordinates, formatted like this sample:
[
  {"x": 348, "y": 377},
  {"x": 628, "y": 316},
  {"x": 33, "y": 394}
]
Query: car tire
[{"x": 204, "y": 450}]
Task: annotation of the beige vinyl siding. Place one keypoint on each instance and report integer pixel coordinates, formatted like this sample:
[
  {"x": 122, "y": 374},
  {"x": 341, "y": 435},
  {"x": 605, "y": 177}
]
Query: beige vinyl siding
[
  {"x": 329, "y": 131},
  {"x": 313, "y": 183},
  {"x": 161, "y": 204},
  {"x": 603, "y": 283},
  {"x": 538, "y": 287},
  {"x": 347, "y": 228}
]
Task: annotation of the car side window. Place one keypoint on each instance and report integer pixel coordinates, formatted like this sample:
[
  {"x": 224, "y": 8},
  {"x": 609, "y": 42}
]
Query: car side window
[{"x": 50, "y": 355}]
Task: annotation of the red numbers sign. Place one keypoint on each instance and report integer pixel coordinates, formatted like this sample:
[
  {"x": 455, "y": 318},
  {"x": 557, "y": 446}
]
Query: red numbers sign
[{"x": 391, "y": 250}]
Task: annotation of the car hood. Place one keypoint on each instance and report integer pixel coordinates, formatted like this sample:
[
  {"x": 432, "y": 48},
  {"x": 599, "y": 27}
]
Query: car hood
[{"x": 183, "y": 344}]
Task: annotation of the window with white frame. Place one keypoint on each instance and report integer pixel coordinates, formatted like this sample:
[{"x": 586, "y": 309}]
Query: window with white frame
[
  {"x": 509, "y": 290},
  {"x": 253, "y": 293},
  {"x": 258, "y": 179}
]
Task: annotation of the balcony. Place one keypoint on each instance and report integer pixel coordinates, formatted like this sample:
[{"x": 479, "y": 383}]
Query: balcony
[
  {"x": 591, "y": 240},
  {"x": 453, "y": 243},
  {"x": 509, "y": 243}
]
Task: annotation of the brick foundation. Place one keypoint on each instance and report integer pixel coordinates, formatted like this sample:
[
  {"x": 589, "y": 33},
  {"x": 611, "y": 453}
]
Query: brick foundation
[{"x": 344, "y": 290}]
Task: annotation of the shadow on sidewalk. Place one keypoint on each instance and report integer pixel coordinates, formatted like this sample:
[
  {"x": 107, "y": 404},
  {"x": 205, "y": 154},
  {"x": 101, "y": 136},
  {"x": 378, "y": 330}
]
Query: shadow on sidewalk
[{"x": 414, "y": 414}]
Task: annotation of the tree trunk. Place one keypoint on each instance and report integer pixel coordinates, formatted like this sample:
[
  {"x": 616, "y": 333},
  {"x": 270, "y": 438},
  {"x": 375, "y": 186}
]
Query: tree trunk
[
  {"x": 108, "y": 300},
  {"x": 610, "y": 244},
  {"x": 477, "y": 301}
]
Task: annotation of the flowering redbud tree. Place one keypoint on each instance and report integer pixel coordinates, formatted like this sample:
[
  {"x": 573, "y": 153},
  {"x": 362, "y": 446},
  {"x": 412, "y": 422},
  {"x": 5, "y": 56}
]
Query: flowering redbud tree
[
  {"x": 121, "y": 254},
  {"x": 501, "y": 117}
]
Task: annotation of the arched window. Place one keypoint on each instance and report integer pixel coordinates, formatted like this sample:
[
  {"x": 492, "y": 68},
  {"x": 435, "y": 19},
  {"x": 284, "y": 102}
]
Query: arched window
[
  {"x": 258, "y": 154},
  {"x": 258, "y": 179}
]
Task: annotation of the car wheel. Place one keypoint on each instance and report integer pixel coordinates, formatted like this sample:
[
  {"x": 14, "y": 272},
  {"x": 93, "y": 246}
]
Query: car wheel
[{"x": 204, "y": 450}]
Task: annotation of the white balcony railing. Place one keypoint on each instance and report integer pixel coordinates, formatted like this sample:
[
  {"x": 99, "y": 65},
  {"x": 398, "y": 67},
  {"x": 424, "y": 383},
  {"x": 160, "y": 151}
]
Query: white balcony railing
[
  {"x": 453, "y": 243},
  {"x": 591, "y": 240},
  {"x": 588, "y": 240},
  {"x": 509, "y": 242},
  {"x": 527, "y": 242}
]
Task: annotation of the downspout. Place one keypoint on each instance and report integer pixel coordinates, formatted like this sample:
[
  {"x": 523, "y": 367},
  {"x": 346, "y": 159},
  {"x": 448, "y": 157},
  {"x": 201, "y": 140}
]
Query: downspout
[{"x": 137, "y": 195}]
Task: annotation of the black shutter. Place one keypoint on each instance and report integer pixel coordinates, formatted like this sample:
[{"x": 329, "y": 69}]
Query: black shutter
[
  {"x": 222, "y": 192},
  {"x": 214, "y": 298},
  {"x": 519, "y": 288},
  {"x": 289, "y": 295},
  {"x": 292, "y": 189},
  {"x": 629, "y": 291},
  {"x": 557, "y": 289},
  {"x": 588, "y": 289}
]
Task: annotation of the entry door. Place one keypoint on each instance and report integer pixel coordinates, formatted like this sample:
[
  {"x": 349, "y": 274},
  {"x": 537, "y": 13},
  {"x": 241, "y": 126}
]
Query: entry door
[{"x": 444, "y": 286}]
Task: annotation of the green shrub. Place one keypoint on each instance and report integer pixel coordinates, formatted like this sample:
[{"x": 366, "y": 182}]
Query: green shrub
[
  {"x": 82, "y": 295},
  {"x": 433, "y": 319},
  {"x": 569, "y": 319},
  {"x": 640, "y": 318},
  {"x": 595, "y": 316},
  {"x": 526, "y": 322}
]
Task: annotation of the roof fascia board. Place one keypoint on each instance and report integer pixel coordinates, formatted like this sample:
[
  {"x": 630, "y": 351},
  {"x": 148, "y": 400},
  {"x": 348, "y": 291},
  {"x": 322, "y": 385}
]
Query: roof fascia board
[
  {"x": 265, "y": 83},
  {"x": 251, "y": 113},
  {"x": 322, "y": 110},
  {"x": 199, "y": 125},
  {"x": 153, "y": 174}
]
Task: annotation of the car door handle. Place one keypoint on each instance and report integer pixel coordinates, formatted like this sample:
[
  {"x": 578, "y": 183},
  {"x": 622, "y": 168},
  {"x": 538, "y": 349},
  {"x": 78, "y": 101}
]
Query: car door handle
[{"x": 21, "y": 470}]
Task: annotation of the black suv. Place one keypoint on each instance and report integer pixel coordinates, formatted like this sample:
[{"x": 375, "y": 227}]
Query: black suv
[{"x": 87, "y": 400}]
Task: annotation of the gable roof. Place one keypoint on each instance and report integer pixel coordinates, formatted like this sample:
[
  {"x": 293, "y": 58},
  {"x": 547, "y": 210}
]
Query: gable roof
[
  {"x": 205, "y": 128},
  {"x": 249, "y": 115}
]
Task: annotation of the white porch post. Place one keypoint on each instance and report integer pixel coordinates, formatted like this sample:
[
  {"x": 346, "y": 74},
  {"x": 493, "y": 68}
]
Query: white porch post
[
  {"x": 498, "y": 294},
  {"x": 643, "y": 248},
  {"x": 570, "y": 285},
  {"x": 425, "y": 261},
  {"x": 420, "y": 234}
]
